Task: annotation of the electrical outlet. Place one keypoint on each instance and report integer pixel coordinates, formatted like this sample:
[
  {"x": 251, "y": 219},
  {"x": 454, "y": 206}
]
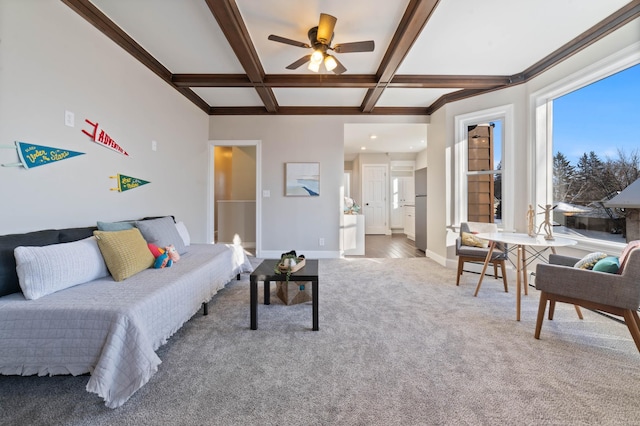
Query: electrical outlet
[
  {"x": 154, "y": 146},
  {"x": 321, "y": 242}
]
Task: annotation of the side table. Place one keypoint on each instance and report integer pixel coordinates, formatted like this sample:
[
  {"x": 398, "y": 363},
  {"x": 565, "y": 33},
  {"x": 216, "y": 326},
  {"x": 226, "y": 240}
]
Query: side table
[{"x": 265, "y": 273}]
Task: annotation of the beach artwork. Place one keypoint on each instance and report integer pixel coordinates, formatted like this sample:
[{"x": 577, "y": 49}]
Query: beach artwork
[{"x": 302, "y": 179}]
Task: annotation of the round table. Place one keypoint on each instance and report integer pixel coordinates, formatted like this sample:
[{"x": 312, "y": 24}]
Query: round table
[{"x": 537, "y": 246}]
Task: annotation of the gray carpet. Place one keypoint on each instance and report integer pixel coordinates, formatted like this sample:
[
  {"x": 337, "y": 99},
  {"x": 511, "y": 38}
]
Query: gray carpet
[{"x": 399, "y": 344}]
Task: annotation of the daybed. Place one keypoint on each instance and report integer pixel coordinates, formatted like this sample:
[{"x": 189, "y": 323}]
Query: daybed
[{"x": 104, "y": 327}]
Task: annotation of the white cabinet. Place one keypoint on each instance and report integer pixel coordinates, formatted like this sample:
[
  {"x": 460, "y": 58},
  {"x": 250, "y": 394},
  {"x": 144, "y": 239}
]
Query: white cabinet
[
  {"x": 402, "y": 193},
  {"x": 353, "y": 234},
  {"x": 410, "y": 222}
]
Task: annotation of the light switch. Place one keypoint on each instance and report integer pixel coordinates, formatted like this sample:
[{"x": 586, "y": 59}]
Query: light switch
[
  {"x": 154, "y": 146},
  {"x": 69, "y": 118},
  {"x": 266, "y": 193}
]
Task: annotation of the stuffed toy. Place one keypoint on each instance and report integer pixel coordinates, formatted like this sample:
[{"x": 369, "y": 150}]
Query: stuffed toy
[
  {"x": 163, "y": 258},
  {"x": 172, "y": 252},
  {"x": 163, "y": 261}
]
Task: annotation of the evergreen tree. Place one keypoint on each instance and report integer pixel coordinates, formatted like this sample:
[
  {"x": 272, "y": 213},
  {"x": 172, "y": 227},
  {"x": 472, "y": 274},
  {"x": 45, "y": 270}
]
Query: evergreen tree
[{"x": 564, "y": 175}]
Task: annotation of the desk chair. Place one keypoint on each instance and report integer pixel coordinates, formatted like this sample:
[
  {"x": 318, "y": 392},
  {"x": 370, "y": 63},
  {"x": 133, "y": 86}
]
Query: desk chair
[{"x": 467, "y": 253}]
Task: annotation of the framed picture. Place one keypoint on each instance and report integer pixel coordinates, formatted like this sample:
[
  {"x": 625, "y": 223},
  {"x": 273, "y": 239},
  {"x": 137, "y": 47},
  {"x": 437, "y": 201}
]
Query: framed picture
[{"x": 302, "y": 179}]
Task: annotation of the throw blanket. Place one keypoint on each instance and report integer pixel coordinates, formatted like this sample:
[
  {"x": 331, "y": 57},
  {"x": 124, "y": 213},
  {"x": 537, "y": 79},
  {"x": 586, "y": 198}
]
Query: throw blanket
[{"x": 112, "y": 329}]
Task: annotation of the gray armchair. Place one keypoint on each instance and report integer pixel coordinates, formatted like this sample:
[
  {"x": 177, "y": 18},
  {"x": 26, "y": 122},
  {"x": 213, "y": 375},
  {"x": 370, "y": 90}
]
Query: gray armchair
[
  {"x": 479, "y": 254},
  {"x": 616, "y": 294}
]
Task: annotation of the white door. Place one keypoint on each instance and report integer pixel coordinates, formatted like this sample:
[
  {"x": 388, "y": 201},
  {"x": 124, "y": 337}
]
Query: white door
[{"x": 374, "y": 198}]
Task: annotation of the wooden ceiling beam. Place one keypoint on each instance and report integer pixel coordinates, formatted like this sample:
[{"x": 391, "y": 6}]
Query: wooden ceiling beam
[
  {"x": 611, "y": 23},
  {"x": 329, "y": 110},
  {"x": 95, "y": 17},
  {"x": 229, "y": 19},
  {"x": 413, "y": 21},
  {"x": 211, "y": 80}
]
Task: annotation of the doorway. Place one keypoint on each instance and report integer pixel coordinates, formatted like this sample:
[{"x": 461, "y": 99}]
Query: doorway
[{"x": 234, "y": 205}]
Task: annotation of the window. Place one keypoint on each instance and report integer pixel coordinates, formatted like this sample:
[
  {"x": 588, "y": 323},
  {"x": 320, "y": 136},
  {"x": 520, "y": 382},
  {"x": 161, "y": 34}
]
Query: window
[
  {"x": 582, "y": 158},
  {"x": 484, "y": 173},
  {"x": 484, "y": 191}
]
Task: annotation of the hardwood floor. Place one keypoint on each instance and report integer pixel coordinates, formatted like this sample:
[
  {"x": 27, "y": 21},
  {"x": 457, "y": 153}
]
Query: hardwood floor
[
  {"x": 381, "y": 246},
  {"x": 389, "y": 246}
]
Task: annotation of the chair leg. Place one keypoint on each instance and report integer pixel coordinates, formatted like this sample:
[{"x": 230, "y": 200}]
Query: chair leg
[
  {"x": 552, "y": 308},
  {"x": 495, "y": 270},
  {"x": 578, "y": 311},
  {"x": 460, "y": 265},
  {"x": 632, "y": 321},
  {"x": 541, "y": 308},
  {"x": 504, "y": 276}
]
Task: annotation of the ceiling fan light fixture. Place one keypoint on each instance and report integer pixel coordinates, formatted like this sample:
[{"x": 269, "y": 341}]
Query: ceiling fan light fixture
[
  {"x": 330, "y": 63},
  {"x": 316, "y": 57},
  {"x": 314, "y": 66}
]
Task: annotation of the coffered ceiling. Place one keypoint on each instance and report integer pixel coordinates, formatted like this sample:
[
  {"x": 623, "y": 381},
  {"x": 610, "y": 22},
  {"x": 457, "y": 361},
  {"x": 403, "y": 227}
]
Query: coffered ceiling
[{"x": 427, "y": 52}]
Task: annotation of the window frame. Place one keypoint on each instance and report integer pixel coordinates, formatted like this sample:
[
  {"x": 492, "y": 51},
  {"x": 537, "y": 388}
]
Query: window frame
[
  {"x": 541, "y": 104},
  {"x": 505, "y": 113}
]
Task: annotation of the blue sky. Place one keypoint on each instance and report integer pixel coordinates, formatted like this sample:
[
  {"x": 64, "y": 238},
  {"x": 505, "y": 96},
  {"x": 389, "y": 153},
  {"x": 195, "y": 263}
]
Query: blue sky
[{"x": 601, "y": 117}]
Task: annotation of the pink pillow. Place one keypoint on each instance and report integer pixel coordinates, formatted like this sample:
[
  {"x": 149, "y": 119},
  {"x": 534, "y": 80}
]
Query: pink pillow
[{"x": 625, "y": 253}]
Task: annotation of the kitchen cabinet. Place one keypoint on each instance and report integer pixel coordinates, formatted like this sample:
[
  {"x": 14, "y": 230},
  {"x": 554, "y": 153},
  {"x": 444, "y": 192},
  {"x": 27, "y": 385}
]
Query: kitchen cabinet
[{"x": 410, "y": 222}]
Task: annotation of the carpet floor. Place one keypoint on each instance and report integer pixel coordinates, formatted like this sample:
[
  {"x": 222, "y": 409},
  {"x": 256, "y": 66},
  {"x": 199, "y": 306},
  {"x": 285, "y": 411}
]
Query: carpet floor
[{"x": 399, "y": 344}]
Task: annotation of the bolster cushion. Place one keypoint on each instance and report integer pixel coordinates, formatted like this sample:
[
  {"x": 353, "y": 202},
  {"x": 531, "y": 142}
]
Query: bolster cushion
[{"x": 45, "y": 270}]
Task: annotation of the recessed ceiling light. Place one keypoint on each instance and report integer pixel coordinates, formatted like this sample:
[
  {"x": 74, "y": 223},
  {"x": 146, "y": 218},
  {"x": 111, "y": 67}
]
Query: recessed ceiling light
[
  {"x": 362, "y": 148},
  {"x": 373, "y": 137}
]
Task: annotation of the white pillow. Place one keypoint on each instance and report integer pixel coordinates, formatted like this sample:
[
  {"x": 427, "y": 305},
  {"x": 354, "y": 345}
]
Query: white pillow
[
  {"x": 45, "y": 270},
  {"x": 184, "y": 233}
]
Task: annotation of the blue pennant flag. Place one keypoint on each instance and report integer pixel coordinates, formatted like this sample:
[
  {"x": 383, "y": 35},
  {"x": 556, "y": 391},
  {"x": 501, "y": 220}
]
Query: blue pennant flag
[{"x": 37, "y": 155}]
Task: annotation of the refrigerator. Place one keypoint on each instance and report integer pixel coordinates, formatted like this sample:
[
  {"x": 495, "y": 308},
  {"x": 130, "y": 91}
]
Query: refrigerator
[{"x": 421, "y": 208}]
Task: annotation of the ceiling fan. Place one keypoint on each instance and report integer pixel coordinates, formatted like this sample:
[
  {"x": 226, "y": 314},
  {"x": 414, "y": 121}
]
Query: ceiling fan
[{"x": 320, "y": 39}]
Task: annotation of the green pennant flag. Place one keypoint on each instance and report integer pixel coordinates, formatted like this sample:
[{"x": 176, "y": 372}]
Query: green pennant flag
[{"x": 126, "y": 183}]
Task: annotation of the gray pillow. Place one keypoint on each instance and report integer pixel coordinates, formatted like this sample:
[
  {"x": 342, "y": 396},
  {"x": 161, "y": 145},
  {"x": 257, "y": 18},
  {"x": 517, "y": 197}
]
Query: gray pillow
[
  {"x": 114, "y": 226},
  {"x": 161, "y": 232}
]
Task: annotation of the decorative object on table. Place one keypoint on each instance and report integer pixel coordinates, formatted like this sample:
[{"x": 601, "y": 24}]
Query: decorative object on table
[
  {"x": 531, "y": 226},
  {"x": 350, "y": 206},
  {"x": 291, "y": 292},
  {"x": 302, "y": 179},
  {"x": 101, "y": 137},
  {"x": 31, "y": 155},
  {"x": 127, "y": 182},
  {"x": 548, "y": 226}
]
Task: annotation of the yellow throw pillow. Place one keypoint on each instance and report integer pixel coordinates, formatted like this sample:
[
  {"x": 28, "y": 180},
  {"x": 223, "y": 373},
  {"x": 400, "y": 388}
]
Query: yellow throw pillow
[
  {"x": 125, "y": 252},
  {"x": 468, "y": 239}
]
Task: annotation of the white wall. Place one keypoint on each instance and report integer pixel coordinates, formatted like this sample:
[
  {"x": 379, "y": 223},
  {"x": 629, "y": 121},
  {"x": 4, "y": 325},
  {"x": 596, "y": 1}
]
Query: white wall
[
  {"x": 52, "y": 60},
  {"x": 298, "y": 222},
  {"x": 441, "y": 140}
]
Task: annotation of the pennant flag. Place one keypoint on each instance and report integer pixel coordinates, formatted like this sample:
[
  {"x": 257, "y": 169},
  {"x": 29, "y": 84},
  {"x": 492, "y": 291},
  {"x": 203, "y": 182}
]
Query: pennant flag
[
  {"x": 126, "y": 183},
  {"x": 37, "y": 155},
  {"x": 99, "y": 136}
]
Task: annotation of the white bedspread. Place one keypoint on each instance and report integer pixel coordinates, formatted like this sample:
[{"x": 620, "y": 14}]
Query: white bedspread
[{"x": 112, "y": 329}]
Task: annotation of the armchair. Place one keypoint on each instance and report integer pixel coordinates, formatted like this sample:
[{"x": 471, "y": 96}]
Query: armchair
[
  {"x": 467, "y": 253},
  {"x": 616, "y": 294}
]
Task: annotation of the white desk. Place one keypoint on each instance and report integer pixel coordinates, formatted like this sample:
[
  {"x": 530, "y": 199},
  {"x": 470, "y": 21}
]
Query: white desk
[{"x": 528, "y": 249}]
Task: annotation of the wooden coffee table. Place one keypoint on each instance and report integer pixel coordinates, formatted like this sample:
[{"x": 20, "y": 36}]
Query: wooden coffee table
[{"x": 265, "y": 273}]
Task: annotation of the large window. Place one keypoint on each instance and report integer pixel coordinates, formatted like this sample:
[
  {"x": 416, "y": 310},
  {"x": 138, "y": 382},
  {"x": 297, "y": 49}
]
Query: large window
[
  {"x": 587, "y": 146},
  {"x": 596, "y": 159}
]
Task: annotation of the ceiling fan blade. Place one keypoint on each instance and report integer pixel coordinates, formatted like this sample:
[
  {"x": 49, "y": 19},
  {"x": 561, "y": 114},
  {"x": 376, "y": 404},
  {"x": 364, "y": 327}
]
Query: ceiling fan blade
[
  {"x": 358, "y": 46},
  {"x": 325, "y": 28},
  {"x": 288, "y": 41},
  {"x": 299, "y": 62},
  {"x": 339, "y": 69}
]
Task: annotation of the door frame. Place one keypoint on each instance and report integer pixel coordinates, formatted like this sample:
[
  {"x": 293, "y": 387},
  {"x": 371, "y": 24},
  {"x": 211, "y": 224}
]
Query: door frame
[{"x": 211, "y": 188}]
